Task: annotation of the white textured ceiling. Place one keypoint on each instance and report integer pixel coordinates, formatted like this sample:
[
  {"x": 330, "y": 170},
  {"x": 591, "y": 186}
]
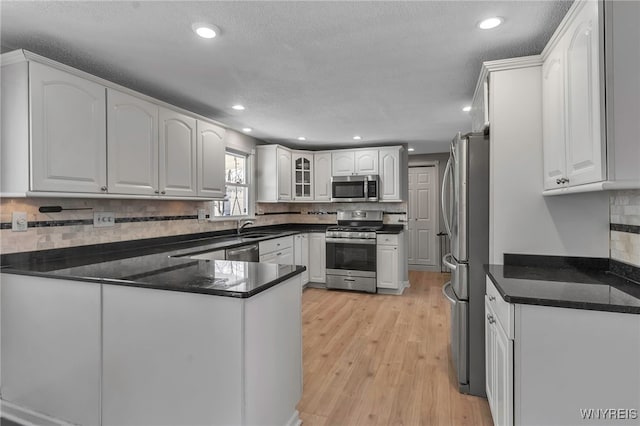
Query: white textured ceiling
[{"x": 391, "y": 71}]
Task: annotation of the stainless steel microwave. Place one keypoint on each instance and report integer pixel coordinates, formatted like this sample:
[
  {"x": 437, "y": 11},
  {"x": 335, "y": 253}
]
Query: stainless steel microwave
[{"x": 354, "y": 188}]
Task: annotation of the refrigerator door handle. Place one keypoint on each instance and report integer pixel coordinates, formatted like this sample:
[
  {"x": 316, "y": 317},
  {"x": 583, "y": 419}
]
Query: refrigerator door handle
[
  {"x": 448, "y": 264},
  {"x": 446, "y": 289},
  {"x": 445, "y": 213}
]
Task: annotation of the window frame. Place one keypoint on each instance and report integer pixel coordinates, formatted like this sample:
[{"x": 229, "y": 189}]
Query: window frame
[{"x": 248, "y": 185}]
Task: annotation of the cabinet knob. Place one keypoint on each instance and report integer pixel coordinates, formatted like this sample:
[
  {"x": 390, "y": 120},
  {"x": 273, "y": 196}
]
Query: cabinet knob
[
  {"x": 162, "y": 192},
  {"x": 103, "y": 189},
  {"x": 156, "y": 191},
  {"x": 492, "y": 298},
  {"x": 566, "y": 180},
  {"x": 490, "y": 319},
  {"x": 558, "y": 181}
]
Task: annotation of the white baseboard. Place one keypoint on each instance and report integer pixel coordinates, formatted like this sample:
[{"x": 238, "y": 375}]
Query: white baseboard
[
  {"x": 295, "y": 419},
  {"x": 26, "y": 417},
  {"x": 315, "y": 285},
  {"x": 391, "y": 291}
]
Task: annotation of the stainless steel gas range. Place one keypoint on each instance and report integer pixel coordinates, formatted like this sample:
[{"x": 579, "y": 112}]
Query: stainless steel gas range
[{"x": 351, "y": 250}]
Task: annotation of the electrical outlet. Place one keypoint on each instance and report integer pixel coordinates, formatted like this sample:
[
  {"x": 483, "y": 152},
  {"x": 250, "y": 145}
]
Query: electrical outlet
[
  {"x": 103, "y": 219},
  {"x": 202, "y": 215},
  {"x": 19, "y": 221}
]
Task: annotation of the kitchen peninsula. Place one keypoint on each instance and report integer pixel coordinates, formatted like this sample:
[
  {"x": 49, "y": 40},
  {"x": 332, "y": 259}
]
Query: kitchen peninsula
[{"x": 154, "y": 338}]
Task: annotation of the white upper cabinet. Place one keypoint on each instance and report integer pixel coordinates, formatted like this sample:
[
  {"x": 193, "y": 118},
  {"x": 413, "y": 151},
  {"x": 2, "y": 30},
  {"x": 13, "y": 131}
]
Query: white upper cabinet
[
  {"x": 177, "y": 153},
  {"x": 358, "y": 162},
  {"x": 322, "y": 176},
  {"x": 211, "y": 157},
  {"x": 390, "y": 174},
  {"x": 68, "y": 132},
  {"x": 583, "y": 151},
  {"x": 273, "y": 169},
  {"x": 132, "y": 144},
  {"x": 302, "y": 164},
  {"x": 343, "y": 163},
  {"x": 366, "y": 162}
]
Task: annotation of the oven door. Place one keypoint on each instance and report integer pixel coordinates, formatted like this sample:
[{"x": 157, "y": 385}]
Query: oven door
[{"x": 357, "y": 256}]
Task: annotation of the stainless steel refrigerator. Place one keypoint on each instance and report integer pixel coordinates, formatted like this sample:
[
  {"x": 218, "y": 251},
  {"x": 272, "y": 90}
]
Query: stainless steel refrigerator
[{"x": 465, "y": 208}]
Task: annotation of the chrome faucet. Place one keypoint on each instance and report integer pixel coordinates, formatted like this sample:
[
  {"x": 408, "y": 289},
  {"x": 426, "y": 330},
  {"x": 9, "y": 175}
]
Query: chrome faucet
[{"x": 244, "y": 222}]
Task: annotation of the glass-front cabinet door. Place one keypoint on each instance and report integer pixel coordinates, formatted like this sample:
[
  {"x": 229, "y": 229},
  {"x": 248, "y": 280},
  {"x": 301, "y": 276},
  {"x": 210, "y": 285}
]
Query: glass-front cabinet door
[{"x": 302, "y": 176}]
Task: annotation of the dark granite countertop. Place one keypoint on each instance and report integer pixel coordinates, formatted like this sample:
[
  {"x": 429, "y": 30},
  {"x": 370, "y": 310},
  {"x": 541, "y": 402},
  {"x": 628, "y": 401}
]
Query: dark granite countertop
[
  {"x": 565, "y": 286},
  {"x": 159, "y": 264}
]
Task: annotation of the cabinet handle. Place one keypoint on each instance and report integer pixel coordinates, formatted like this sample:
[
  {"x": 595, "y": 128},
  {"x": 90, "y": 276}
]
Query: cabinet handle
[
  {"x": 162, "y": 192},
  {"x": 566, "y": 180},
  {"x": 103, "y": 189},
  {"x": 490, "y": 319},
  {"x": 492, "y": 298},
  {"x": 156, "y": 191},
  {"x": 278, "y": 254},
  {"x": 558, "y": 181}
]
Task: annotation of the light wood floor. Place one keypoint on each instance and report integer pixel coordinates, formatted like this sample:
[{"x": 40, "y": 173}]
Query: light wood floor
[{"x": 382, "y": 360}]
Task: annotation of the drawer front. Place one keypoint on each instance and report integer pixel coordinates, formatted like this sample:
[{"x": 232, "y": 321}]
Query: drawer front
[
  {"x": 387, "y": 239},
  {"x": 504, "y": 311},
  {"x": 276, "y": 244}
]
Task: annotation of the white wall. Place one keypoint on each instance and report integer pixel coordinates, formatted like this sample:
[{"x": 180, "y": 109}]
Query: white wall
[{"x": 521, "y": 219}]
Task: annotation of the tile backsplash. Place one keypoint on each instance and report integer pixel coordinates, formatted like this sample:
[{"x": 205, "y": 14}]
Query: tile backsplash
[
  {"x": 625, "y": 226},
  {"x": 139, "y": 219}
]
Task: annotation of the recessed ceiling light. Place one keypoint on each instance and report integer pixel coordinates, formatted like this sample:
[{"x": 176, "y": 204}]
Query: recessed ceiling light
[
  {"x": 411, "y": 149},
  {"x": 489, "y": 23},
  {"x": 302, "y": 138},
  {"x": 357, "y": 138},
  {"x": 467, "y": 108},
  {"x": 205, "y": 30},
  {"x": 238, "y": 107},
  {"x": 247, "y": 129}
]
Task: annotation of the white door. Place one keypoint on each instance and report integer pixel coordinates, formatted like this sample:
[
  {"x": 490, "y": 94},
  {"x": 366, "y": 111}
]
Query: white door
[
  {"x": 553, "y": 120},
  {"x": 585, "y": 150},
  {"x": 68, "y": 132},
  {"x": 366, "y": 162},
  {"x": 132, "y": 144},
  {"x": 342, "y": 163},
  {"x": 423, "y": 220},
  {"x": 389, "y": 163},
  {"x": 322, "y": 176},
  {"x": 284, "y": 174},
  {"x": 211, "y": 157},
  {"x": 177, "y": 154}
]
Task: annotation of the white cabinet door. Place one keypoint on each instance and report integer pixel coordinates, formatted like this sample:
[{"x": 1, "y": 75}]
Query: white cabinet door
[
  {"x": 211, "y": 157},
  {"x": 285, "y": 256},
  {"x": 68, "y": 132},
  {"x": 301, "y": 254},
  {"x": 284, "y": 173},
  {"x": 132, "y": 144},
  {"x": 317, "y": 257},
  {"x": 366, "y": 162},
  {"x": 503, "y": 377},
  {"x": 322, "y": 176},
  {"x": 489, "y": 354},
  {"x": 177, "y": 153},
  {"x": 387, "y": 267},
  {"x": 302, "y": 171},
  {"x": 585, "y": 147},
  {"x": 553, "y": 118},
  {"x": 343, "y": 163},
  {"x": 389, "y": 161}
]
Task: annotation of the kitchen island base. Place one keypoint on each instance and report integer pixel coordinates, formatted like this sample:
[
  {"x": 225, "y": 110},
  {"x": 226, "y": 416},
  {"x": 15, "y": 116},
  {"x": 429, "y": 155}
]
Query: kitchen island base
[{"x": 148, "y": 356}]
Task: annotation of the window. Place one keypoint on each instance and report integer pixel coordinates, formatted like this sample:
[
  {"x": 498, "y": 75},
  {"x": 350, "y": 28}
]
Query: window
[{"x": 236, "y": 202}]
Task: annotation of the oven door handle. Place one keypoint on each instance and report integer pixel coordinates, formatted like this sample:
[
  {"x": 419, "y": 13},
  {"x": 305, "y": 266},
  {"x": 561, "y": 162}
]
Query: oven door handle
[{"x": 351, "y": 241}]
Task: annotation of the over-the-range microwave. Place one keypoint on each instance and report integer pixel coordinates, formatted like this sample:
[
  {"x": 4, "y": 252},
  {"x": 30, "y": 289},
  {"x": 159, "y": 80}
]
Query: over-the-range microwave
[{"x": 354, "y": 188}]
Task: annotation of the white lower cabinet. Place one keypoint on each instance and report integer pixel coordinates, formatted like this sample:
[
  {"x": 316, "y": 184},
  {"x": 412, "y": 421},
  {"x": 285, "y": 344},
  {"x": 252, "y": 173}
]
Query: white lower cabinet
[
  {"x": 317, "y": 258},
  {"x": 301, "y": 254},
  {"x": 390, "y": 255},
  {"x": 547, "y": 365},
  {"x": 499, "y": 368}
]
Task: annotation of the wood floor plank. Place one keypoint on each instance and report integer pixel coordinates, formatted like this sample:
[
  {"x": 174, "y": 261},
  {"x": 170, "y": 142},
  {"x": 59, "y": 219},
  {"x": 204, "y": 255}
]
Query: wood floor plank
[{"x": 382, "y": 360}]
